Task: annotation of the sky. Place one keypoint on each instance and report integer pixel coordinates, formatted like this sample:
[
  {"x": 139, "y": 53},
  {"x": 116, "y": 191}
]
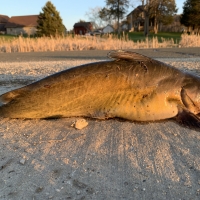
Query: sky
[{"x": 71, "y": 11}]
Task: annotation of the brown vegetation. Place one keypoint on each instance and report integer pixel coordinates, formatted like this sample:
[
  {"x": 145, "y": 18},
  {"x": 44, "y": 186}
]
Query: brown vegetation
[
  {"x": 109, "y": 42},
  {"x": 190, "y": 40}
]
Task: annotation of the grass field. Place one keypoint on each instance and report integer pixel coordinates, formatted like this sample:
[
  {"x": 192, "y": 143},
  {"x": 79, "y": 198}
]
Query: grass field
[
  {"x": 135, "y": 36},
  {"x": 7, "y": 37}
]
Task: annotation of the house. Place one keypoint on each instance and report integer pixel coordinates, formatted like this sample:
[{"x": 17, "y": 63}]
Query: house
[
  {"x": 124, "y": 27},
  {"x": 22, "y": 25},
  {"x": 108, "y": 29},
  {"x": 3, "y": 20},
  {"x": 81, "y": 28},
  {"x": 136, "y": 19}
]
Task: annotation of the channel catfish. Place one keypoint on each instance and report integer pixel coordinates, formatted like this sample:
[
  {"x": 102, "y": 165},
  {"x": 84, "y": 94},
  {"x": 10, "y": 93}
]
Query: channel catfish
[{"x": 130, "y": 86}]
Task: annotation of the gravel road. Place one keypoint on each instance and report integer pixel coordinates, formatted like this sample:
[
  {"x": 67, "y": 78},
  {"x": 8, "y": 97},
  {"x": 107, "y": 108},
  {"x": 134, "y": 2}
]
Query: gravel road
[{"x": 108, "y": 160}]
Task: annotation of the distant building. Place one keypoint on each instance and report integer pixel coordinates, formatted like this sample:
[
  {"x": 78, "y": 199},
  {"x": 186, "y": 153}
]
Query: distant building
[
  {"x": 3, "y": 20},
  {"x": 81, "y": 28},
  {"x": 124, "y": 27},
  {"x": 136, "y": 19},
  {"x": 108, "y": 29},
  {"x": 22, "y": 25}
]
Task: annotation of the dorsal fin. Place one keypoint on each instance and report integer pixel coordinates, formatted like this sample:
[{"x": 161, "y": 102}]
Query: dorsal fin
[{"x": 127, "y": 55}]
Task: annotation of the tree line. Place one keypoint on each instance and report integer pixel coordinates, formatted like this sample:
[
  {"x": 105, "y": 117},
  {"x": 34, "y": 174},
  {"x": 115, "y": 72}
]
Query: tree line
[
  {"x": 191, "y": 15},
  {"x": 160, "y": 11}
]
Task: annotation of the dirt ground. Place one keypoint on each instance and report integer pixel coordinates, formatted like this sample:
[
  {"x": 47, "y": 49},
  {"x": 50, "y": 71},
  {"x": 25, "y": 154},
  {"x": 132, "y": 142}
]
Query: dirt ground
[{"x": 108, "y": 160}]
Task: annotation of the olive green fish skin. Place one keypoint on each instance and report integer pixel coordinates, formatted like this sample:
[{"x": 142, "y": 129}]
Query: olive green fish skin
[{"x": 135, "y": 89}]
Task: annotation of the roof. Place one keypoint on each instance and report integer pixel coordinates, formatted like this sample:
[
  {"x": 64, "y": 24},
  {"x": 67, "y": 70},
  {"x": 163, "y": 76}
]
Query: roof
[
  {"x": 109, "y": 26},
  {"x": 21, "y": 21},
  {"x": 138, "y": 9},
  {"x": 125, "y": 24},
  {"x": 4, "y": 18},
  {"x": 84, "y": 24}
]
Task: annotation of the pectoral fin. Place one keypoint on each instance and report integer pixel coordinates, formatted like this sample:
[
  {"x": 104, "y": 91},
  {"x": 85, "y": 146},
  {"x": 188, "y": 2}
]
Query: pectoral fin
[
  {"x": 188, "y": 119},
  {"x": 187, "y": 101}
]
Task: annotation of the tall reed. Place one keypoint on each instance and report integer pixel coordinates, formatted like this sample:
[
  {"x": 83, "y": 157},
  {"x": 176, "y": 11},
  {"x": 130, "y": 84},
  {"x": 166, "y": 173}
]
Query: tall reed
[
  {"x": 106, "y": 42},
  {"x": 190, "y": 40}
]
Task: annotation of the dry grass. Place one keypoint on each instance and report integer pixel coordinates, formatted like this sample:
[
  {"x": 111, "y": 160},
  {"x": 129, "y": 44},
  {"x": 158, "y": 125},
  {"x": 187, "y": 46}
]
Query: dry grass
[
  {"x": 190, "y": 40},
  {"x": 107, "y": 42}
]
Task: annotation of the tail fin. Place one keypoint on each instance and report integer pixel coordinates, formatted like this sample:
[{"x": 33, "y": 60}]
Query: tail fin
[{"x": 9, "y": 96}]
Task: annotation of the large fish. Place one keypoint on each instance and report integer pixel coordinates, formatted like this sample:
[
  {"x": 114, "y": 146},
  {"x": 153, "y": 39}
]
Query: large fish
[{"x": 131, "y": 86}]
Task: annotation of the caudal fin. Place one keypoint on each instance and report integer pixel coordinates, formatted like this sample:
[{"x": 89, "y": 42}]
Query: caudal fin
[{"x": 7, "y": 97}]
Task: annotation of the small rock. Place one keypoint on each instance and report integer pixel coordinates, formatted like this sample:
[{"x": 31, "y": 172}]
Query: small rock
[
  {"x": 78, "y": 192},
  {"x": 22, "y": 161},
  {"x": 80, "y": 124},
  {"x": 125, "y": 183},
  {"x": 39, "y": 189}
]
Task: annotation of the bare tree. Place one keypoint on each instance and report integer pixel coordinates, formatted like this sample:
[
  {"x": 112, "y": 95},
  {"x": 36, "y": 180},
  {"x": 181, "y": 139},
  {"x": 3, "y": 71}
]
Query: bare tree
[
  {"x": 94, "y": 18},
  {"x": 146, "y": 16},
  {"x": 161, "y": 11},
  {"x": 115, "y": 9}
]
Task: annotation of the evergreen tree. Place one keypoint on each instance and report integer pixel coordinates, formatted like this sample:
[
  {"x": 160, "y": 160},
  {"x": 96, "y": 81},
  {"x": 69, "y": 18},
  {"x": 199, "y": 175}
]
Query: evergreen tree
[
  {"x": 191, "y": 14},
  {"x": 49, "y": 21}
]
